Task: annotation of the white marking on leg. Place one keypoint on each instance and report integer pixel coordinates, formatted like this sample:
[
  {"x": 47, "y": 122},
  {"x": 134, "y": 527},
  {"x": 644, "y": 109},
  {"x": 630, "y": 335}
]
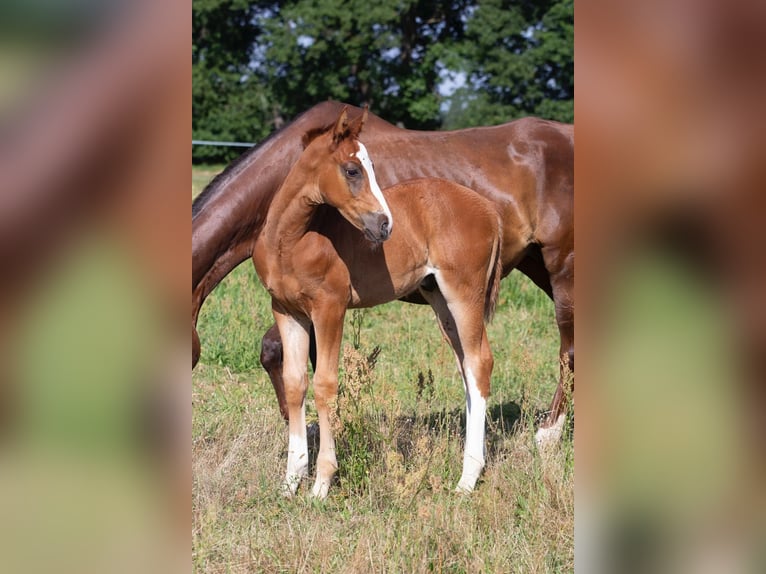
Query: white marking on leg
[
  {"x": 374, "y": 187},
  {"x": 297, "y": 455},
  {"x": 550, "y": 436},
  {"x": 473, "y": 457}
]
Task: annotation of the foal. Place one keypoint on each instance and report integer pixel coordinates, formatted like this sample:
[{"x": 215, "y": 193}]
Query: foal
[{"x": 315, "y": 263}]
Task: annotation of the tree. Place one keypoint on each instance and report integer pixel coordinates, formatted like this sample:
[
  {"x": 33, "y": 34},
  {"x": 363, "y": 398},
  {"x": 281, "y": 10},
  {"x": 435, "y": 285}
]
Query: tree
[
  {"x": 256, "y": 65},
  {"x": 518, "y": 58},
  {"x": 387, "y": 55},
  {"x": 229, "y": 100}
]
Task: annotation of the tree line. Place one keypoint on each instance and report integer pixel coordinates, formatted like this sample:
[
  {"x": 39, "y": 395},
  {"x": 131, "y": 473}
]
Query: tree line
[{"x": 419, "y": 64}]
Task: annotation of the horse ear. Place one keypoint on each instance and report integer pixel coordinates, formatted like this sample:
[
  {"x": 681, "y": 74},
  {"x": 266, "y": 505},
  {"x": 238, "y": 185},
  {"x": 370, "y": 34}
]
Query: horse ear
[
  {"x": 357, "y": 124},
  {"x": 340, "y": 131}
]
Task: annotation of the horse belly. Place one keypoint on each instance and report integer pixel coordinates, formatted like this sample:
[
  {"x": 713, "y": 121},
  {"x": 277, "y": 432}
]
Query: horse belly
[
  {"x": 397, "y": 273},
  {"x": 379, "y": 288}
]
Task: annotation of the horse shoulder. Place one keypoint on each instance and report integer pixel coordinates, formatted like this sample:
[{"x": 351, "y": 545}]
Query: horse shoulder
[{"x": 313, "y": 255}]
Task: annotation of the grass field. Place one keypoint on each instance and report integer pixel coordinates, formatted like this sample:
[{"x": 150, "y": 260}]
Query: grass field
[{"x": 392, "y": 508}]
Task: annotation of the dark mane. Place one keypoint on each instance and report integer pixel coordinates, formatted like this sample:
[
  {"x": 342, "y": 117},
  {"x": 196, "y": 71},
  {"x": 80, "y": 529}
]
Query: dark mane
[
  {"x": 313, "y": 133},
  {"x": 216, "y": 183},
  {"x": 199, "y": 202}
]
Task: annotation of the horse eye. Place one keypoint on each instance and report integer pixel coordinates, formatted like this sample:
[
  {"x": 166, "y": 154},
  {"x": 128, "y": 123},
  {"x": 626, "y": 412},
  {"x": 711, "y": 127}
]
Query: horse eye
[{"x": 352, "y": 172}]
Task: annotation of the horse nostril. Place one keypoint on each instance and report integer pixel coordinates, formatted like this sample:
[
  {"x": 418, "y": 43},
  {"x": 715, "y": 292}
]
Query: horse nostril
[{"x": 384, "y": 228}]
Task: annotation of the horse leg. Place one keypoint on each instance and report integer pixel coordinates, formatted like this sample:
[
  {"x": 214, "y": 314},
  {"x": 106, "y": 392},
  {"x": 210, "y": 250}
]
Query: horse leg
[
  {"x": 463, "y": 327},
  {"x": 271, "y": 360},
  {"x": 295, "y": 334},
  {"x": 195, "y": 347},
  {"x": 552, "y": 426},
  {"x": 328, "y": 324}
]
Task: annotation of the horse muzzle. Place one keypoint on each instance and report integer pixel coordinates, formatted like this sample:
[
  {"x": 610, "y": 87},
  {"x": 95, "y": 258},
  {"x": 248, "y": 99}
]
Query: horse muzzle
[{"x": 377, "y": 226}]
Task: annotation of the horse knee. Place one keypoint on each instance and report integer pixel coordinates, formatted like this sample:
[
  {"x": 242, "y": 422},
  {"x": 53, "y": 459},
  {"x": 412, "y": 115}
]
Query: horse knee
[
  {"x": 325, "y": 389},
  {"x": 295, "y": 387}
]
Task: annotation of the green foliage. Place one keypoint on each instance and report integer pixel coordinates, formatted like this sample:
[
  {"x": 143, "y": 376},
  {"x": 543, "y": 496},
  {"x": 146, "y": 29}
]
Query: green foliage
[
  {"x": 230, "y": 100},
  {"x": 233, "y": 327},
  {"x": 256, "y": 65},
  {"x": 384, "y": 54},
  {"x": 519, "y": 61}
]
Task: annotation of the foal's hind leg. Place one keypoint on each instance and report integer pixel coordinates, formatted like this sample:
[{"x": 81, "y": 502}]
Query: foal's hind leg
[
  {"x": 462, "y": 324},
  {"x": 294, "y": 333}
]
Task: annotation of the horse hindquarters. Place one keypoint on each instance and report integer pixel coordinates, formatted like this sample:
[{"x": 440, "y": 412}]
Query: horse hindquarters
[{"x": 468, "y": 282}]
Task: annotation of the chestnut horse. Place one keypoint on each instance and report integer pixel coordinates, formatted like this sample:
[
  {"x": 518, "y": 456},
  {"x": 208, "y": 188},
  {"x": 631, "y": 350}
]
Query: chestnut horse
[
  {"x": 445, "y": 244},
  {"x": 525, "y": 167}
]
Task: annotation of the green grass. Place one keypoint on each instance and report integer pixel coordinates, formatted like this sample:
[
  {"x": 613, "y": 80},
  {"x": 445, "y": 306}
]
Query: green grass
[{"x": 392, "y": 508}]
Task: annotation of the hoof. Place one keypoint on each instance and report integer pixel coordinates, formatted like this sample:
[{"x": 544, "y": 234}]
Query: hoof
[
  {"x": 320, "y": 489},
  {"x": 290, "y": 485},
  {"x": 472, "y": 468},
  {"x": 464, "y": 489},
  {"x": 550, "y": 436}
]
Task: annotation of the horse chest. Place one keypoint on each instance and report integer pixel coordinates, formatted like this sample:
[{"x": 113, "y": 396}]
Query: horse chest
[{"x": 302, "y": 278}]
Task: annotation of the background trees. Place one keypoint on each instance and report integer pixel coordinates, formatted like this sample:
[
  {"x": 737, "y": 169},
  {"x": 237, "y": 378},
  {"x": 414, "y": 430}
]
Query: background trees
[{"x": 422, "y": 64}]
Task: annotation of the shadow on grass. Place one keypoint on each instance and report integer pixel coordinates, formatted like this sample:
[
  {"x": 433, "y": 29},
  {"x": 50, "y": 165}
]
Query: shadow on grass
[{"x": 504, "y": 420}]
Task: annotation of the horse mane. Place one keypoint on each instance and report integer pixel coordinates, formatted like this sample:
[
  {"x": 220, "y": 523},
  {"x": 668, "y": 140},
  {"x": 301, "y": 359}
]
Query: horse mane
[
  {"x": 217, "y": 182},
  {"x": 314, "y": 133},
  {"x": 210, "y": 189}
]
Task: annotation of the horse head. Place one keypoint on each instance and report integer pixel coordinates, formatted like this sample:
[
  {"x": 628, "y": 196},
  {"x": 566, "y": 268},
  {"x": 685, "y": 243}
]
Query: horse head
[{"x": 345, "y": 177}]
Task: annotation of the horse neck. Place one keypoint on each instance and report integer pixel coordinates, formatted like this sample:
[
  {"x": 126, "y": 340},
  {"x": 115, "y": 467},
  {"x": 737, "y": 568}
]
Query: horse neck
[
  {"x": 228, "y": 224},
  {"x": 290, "y": 213}
]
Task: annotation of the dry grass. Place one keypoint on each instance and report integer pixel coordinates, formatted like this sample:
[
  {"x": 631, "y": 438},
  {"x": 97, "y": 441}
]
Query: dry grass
[{"x": 399, "y": 515}]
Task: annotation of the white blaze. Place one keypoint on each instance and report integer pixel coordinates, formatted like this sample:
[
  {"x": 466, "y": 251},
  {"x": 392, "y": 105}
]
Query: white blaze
[{"x": 364, "y": 157}]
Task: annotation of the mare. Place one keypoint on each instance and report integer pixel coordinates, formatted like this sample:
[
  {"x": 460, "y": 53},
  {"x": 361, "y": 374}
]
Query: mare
[
  {"x": 524, "y": 167},
  {"x": 316, "y": 263}
]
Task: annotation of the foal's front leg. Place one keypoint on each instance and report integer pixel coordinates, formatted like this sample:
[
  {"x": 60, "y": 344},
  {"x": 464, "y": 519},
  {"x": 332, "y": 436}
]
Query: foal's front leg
[
  {"x": 328, "y": 325},
  {"x": 294, "y": 332}
]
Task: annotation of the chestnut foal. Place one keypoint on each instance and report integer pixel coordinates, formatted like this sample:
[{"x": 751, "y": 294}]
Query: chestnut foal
[{"x": 444, "y": 242}]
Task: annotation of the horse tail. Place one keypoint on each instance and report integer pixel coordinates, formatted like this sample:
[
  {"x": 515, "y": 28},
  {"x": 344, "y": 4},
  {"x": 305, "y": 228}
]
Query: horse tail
[{"x": 494, "y": 274}]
